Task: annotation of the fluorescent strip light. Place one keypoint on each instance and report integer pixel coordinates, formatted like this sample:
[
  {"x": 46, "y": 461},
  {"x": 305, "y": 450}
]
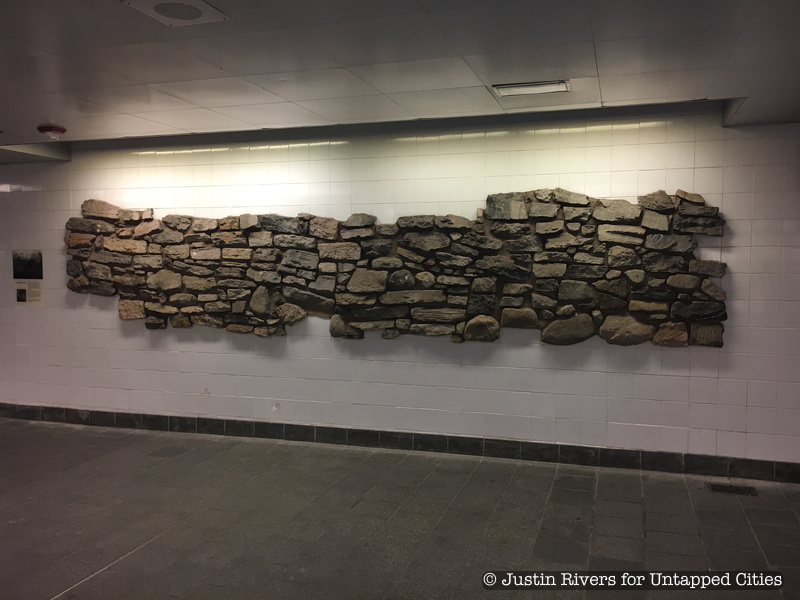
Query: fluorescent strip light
[{"x": 536, "y": 87}]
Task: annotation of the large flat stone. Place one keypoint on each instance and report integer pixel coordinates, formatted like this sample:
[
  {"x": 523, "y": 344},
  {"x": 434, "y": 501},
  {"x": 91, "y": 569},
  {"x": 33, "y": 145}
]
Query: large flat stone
[
  {"x": 625, "y": 330},
  {"x": 572, "y": 330}
]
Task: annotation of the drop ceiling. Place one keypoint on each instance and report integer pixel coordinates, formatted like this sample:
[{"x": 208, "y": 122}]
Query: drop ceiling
[{"x": 105, "y": 70}]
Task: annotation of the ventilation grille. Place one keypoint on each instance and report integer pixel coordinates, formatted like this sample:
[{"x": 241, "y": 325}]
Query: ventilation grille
[
  {"x": 739, "y": 490},
  {"x": 178, "y": 14},
  {"x": 178, "y": 10}
]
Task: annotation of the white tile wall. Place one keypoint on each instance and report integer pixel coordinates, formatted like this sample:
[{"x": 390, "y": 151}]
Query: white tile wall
[{"x": 740, "y": 400}]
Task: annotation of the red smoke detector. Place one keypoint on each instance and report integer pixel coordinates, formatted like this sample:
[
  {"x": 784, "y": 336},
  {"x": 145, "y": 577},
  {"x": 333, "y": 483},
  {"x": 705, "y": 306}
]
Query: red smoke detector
[{"x": 51, "y": 130}]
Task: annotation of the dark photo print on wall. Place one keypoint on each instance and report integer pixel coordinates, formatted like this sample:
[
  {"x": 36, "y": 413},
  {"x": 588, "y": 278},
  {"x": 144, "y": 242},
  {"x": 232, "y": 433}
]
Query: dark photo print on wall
[{"x": 27, "y": 264}]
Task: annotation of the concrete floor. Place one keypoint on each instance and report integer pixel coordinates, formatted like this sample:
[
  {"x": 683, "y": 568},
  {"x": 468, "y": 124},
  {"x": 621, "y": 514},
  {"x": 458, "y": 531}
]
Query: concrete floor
[{"x": 96, "y": 513}]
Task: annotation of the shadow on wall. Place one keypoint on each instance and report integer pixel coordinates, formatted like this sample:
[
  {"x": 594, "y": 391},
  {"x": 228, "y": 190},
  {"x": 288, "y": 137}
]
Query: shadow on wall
[{"x": 553, "y": 260}]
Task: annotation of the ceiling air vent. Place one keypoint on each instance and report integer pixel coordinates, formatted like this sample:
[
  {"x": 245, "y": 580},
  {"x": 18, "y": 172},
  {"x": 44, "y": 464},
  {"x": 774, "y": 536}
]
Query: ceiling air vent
[{"x": 178, "y": 14}]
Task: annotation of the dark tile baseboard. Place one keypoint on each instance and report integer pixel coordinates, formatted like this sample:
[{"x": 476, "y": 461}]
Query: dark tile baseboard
[{"x": 669, "y": 462}]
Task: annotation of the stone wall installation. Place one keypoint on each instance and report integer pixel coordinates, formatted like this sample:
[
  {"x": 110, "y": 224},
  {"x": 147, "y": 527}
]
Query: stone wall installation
[{"x": 553, "y": 260}]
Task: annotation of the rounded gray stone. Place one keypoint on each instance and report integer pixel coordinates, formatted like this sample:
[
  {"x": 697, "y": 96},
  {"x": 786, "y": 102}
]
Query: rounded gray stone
[{"x": 569, "y": 331}]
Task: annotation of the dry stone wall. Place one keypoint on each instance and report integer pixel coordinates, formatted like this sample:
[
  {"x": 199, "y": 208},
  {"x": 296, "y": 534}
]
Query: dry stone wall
[{"x": 553, "y": 260}]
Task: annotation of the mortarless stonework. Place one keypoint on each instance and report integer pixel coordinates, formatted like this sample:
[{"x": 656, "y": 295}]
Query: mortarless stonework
[{"x": 566, "y": 264}]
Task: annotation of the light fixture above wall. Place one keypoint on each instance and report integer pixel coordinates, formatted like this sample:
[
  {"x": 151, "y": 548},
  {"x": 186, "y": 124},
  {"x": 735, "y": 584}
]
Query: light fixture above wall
[{"x": 531, "y": 88}]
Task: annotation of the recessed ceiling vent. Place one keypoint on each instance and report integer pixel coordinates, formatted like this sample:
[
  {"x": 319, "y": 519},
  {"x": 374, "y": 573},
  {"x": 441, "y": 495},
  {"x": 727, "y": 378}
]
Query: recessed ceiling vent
[{"x": 178, "y": 14}]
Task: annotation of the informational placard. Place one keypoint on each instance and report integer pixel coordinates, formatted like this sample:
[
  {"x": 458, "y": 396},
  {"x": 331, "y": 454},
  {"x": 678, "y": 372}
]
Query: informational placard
[{"x": 28, "y": 275}]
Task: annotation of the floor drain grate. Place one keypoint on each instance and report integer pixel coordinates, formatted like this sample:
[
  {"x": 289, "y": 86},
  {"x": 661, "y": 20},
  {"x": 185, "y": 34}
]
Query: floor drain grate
[{"x": 739, "y": 490}]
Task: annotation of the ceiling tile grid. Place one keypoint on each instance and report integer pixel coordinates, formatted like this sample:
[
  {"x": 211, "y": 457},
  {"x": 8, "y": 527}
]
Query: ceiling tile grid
[{"x": 104, "y": 70}]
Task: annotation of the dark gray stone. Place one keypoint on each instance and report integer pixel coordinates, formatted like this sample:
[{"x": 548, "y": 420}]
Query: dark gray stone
[
  {"x": 401, "y": 280},
  {"x": 625, "y": 330},
  {"x": 586, "y": 271},
  {"x": 481, "y": 304},
  {"x": 672, "y": 243},
  {"x": 671, "y": 334},
  {"x": 313, "y": 303},
  {"x": 526, "y": 243},
  {"x": 425, "y": 242},
  {"x": 438, "y": 315},
  {"x": 706, "y": 334},
  {"x": 475, "y": 240},
  {"x": 618, "y": 211},
  {"x": 179, "y": 222},
  {"x": 620, "y": 234},
  {"x": 280, "y": 224},
  {"x": 89, "y": 226},
  {"x": 414, "y": 297},
  {"x": 503, "y": 267},
  {"x": 506, "y": 207},
  {"x": 510, "y": 230},
  {"x": 367, "y": 281},
  {"x": 656, "y": 262},
  {"x": 523, "y": 318},
  {"x": 453, "y": 222},
  {"x": 576, "y": 292},
  {"x": 416, "y": 222},
  {"x": 301, "y": 259},
  {"x": 376, "y": 248},
  {"x": 702, "y": 225},
  {"x": 482, "y": 328},
  {"x": 657, "y": 201},
  {"x": 569, "y": 331},
  {"x": 699, "y": 311},
  {"x": 541, "y": 210},
  {"x": 709, "y": 268},
  {"x": 621, "y": 257},
  {"x": 358, "y": 220},
  {"x": 563, "y": 196},
  {"x": 448, "y": 259}
]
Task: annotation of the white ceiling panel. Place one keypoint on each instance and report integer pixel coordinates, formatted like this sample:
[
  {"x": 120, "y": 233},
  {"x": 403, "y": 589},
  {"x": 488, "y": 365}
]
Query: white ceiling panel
[
  {"x": 736, "y": 82},
  {"x": 44, "y": 72},
  {"x": 775, "y": 13},
  {"x": 453, "y": 102},
  {"x": 418, "y": 75},
  {"x": 761, "y": 46},
  {"x": 666, "y": 86},
  {"x": 195, "y": 120},
  {"x": 128, "y": 99},
  {"x": 624, "y": 19},
  {"x": 99, "y": 65},
  {"x": 693, "y": 50},
  {"x": 355, "y": 110},
  {"x": 128, "y": 125},
  {"x": 515, "y": 25},
  {"x": 152, "y": 63},
  {"x": 313, "y": 85},
  {"x": 260, "y": 52},
  {"x": 404, "y": 38},
  {"x": 544, "y": 64},
  {"x": 299, "y": 13},
  {"x": 284, "y": 114},
  {"x": 226, "y": 91}
]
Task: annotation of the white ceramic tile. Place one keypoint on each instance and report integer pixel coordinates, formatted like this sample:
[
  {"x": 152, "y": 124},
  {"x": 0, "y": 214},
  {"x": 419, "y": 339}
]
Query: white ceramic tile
[
  {"x": 639, "y": 397},
  {"x": 708, "y": 180},
  {"x": 760, "y": 446},
  {"x": 702, "y": 441},
  {"x": 731, "y": 444}
]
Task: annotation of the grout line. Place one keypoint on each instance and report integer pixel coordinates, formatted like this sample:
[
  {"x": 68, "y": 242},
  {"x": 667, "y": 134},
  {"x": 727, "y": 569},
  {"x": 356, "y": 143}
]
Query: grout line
[{"x": 111, "y": 564}]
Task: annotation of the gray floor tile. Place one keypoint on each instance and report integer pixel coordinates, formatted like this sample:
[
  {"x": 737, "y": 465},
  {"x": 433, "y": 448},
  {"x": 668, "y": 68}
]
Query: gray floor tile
[{"x": 131, "y": 514}]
